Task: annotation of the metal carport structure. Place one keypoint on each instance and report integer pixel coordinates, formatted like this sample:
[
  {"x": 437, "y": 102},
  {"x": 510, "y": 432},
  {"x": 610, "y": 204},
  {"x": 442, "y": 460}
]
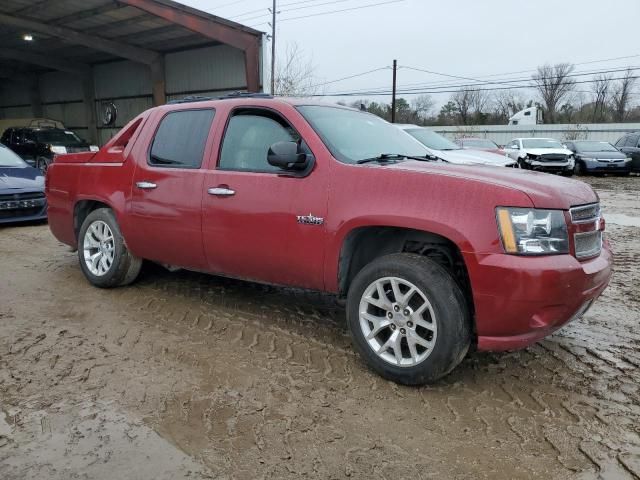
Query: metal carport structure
[{"x": 135, "y": 52}]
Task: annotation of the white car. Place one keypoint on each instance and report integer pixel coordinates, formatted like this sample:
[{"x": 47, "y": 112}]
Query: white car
[
  {"x": 448, "y": 151},
  {"x": 545, "y": 154}
]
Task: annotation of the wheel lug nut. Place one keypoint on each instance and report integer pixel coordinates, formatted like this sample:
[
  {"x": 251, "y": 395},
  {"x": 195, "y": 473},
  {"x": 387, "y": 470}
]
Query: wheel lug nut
[
  {"x": 406, "y": 312},
  {"x": 409, "y": 324},
  {"x": 393, "y": 327},
  {"x": 403, "y": 331},
  {"x": 396, "y": 308},
  {"x": 389, "y": 315}
]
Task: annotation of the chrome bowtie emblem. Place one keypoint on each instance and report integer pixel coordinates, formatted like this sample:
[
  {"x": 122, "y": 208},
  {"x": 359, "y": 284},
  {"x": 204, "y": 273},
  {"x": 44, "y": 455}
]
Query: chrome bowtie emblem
[{"x": 310, "y": 219}]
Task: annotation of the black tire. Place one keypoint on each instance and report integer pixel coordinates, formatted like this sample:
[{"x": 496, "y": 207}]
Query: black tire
[
  {"x": 449, "y": 306},
  {"x": 523, "y": 165},
  {"x": 579, "y": 169},
  {"x": 568, "y": 173},
  {"x": 125, "y": 267}
]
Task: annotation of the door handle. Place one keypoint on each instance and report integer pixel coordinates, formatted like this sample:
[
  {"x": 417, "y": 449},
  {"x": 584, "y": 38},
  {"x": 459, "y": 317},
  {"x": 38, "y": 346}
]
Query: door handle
[
  {"x": 146, "y": 185},
  {"x": 221, "y": 192}
]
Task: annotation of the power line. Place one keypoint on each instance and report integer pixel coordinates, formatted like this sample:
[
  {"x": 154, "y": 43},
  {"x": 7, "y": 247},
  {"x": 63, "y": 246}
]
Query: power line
[
  {"x": 334, "y": 11},
  {"x": 411, "y": 92},
  {"x": 507, "y": 81},
  {"x": 225, "y": 5},
  {"x": 351, "y": 76},
  {"x": 286, "y": 10}
]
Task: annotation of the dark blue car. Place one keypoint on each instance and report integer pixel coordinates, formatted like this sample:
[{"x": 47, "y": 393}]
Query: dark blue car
[{"x": 21, "y": 190}]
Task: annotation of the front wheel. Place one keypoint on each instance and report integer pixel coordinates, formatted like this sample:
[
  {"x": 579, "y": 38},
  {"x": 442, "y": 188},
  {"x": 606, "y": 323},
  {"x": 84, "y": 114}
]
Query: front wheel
[
  {"x": 408, "y": 318},
  {"x": 103, "y": 254}
]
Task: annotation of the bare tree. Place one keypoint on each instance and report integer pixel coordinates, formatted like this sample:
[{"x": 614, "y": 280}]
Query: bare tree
[
  {"x": 620, "y": 96},
  {"x": 463, "y": 100},
  {"x": 423, "y": 106},
  {"x": 507, "y": 103},
  {"x": 600, "y": 88},
  {"x": 295, "y": 74},
  {"x": 553, "y": 84}
]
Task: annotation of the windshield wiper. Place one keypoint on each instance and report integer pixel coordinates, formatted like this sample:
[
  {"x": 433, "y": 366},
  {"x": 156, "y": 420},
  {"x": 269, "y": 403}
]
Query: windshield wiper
[{"x": 389, "y": 157}]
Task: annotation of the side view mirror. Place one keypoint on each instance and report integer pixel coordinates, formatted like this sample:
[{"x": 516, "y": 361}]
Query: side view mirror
[{"x": 286, "y": 155}]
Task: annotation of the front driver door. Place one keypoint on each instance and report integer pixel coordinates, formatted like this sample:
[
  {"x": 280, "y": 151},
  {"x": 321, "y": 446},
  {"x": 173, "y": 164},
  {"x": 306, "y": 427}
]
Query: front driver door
[{"x": 257, "y": 223}]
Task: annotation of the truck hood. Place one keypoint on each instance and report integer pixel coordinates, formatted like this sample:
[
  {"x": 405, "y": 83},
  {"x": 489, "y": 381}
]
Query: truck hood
[
  {"x": 18, "y": 178},
  {"x": 473, "y": 157},
  {"x": 544, "y": 190},
  {"x": 541, "y": 151}
]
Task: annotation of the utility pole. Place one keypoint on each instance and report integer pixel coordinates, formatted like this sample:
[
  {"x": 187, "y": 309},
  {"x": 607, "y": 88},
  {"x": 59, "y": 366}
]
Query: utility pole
[
  {"x": 393, "y": 95},
  {"x": 273, "y": 48}
]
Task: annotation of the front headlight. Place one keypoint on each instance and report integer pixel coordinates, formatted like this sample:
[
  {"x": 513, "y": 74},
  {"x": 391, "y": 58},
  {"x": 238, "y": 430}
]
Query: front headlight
[
  {"x": 58, "y": 149},
  {"x": 530, "y": 231},
  {"x": 628, "y": 159}
]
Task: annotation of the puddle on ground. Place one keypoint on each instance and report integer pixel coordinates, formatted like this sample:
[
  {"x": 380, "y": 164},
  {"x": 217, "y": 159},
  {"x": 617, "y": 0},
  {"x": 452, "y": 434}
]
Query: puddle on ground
[{"x": 622, "y": 220}]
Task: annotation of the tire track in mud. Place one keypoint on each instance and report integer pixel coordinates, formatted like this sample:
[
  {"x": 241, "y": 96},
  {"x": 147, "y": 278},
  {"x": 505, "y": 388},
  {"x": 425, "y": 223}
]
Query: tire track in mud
[{"x": 261, "y": 382}]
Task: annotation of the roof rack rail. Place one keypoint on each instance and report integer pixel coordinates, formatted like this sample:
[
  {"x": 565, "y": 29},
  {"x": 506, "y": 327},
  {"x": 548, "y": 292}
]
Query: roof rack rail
[
  {"x": 192, "y": 98},
  {"x": 246, "y": 95}
]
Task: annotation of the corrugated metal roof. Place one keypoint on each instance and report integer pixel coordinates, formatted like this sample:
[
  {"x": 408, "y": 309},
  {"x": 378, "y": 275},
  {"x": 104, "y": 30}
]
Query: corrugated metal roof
[{"x": 104, "y": 19}]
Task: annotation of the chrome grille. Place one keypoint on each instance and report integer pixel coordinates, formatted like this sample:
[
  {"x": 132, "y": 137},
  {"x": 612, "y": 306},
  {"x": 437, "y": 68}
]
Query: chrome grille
[
  {"x": 585, "y": 213},
  {"x": 588, "y": 244}
]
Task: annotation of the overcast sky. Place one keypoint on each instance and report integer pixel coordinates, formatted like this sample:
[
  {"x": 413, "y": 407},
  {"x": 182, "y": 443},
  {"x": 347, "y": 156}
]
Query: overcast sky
[{"x": 467, "y": 38}]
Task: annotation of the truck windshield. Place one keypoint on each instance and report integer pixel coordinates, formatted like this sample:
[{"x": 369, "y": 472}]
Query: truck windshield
[
  {"x": 541, "y": 143},
  {"x": 351, "y": 135},
  {"x": 58, "y": 137},
  {"x": 10, "y": 159},
  {"x": 432, "y": 139}
]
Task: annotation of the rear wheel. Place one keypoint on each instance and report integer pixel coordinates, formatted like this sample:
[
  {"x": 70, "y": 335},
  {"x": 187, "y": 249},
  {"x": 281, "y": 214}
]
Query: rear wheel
[
  {"x": 103, "y": 254},
  {"x": 408, "y": 318},
  {"x": 579, "y": 169}
]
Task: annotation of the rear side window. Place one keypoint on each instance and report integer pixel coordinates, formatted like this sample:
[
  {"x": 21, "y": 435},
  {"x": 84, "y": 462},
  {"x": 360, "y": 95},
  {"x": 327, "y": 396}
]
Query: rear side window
[
  {"x": 633, "y": 141},
  {"x": 181, "y": 138}
]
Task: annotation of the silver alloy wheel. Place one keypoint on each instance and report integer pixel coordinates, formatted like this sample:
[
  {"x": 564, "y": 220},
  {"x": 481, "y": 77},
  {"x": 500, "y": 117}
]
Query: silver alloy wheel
[
  {"x": 398, "y": 321},
  {"x": 99, "y": 248}
]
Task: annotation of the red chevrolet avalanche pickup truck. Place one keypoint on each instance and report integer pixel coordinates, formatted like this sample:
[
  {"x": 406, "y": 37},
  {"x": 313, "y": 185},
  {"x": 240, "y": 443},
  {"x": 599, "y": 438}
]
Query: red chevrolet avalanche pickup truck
[{"x": 432, "y": 258}]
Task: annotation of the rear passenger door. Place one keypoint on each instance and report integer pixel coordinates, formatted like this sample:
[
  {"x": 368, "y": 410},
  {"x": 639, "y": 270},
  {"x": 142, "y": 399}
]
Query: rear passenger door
[{"x": 166, "y": 196}]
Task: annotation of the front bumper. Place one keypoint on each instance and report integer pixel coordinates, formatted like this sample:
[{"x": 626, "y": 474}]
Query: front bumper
[
  {"x": 550, "y": 166},
  {"x": 23, "y": 206},
  {"x": 594, "y": 166},
  {"x": 521, "y": 300}
]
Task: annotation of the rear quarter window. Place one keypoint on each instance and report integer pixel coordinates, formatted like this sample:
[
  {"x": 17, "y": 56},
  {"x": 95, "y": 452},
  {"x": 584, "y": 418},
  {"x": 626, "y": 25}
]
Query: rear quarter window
[{"x": 180, "y": 139}]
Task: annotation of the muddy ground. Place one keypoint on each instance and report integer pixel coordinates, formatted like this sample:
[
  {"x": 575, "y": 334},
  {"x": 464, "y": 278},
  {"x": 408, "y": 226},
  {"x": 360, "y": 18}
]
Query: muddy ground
[{"x": 190, "y": 376}]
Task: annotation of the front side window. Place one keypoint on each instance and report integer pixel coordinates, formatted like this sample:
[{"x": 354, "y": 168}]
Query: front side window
[
  {"x": 351, "y": 135},
  {"x": 249, "y": 136},
  {"x": 181, "y": 139},
  {"x": 633, "y": 141}
]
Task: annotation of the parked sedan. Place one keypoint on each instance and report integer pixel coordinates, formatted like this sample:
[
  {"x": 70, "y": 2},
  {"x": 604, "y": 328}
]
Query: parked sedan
[
  {"x": 629, "y": 144},
  {"x": 483, "y": 144},
  {"x": 21, "y": 189},
  {"x": 598, "y": 157},
  {"x": 448, "y": 151}
]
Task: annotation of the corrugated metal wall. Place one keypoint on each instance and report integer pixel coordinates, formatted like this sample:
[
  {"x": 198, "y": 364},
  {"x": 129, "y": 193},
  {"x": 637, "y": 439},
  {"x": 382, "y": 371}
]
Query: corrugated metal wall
[
  {"x": 208, "y": 71},
  {"x": 502, "y": 134}
]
